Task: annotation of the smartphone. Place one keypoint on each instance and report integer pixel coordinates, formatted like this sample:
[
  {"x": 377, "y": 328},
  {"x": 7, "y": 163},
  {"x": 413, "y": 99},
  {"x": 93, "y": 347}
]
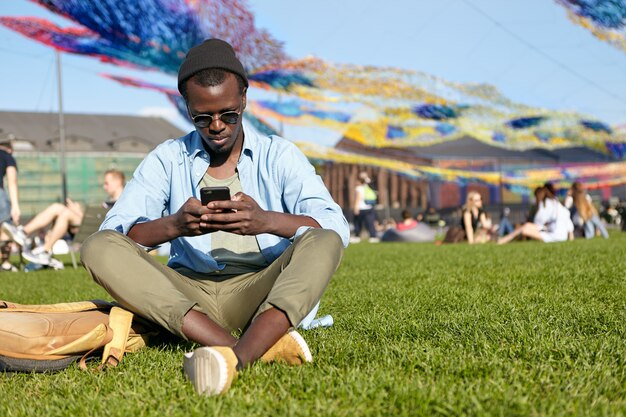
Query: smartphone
[{"x": 208, "y": 194}]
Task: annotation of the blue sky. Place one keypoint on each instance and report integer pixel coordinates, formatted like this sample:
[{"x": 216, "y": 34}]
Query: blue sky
[{"x": 528, "y": 49}]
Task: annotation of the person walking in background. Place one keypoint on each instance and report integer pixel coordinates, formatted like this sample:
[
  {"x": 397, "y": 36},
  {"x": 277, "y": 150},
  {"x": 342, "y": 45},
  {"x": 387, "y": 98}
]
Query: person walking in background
[
  {"x": 583, "y": 207},
  {"x": 551, "y": 221},
  {"x": 9, "y": 201},
  {"x": 363, "y": 209},
  {"x": 63, "y": 218},
  {"x": 475, "y": 223}
]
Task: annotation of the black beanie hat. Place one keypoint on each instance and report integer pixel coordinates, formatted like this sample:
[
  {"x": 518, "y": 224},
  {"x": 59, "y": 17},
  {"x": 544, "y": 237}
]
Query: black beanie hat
[{"x": 212, "y": 53}]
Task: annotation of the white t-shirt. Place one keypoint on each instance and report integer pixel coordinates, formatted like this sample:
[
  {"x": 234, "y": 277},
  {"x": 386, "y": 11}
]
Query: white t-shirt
[
  {"x": 554, "y": 221},
  {"x": 360, "y": 195}
]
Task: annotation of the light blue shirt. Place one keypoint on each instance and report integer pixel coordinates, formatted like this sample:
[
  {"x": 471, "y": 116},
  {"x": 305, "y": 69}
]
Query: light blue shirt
[{"x": 272, "y": 170}]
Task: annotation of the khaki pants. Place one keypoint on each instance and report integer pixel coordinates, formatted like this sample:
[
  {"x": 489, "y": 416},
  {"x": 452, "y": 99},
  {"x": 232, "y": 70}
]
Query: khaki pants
[{"x": 293, "y": 283}]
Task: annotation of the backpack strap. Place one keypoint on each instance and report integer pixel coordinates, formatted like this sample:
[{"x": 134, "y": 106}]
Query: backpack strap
[
  {"x": 120, "y": 321},
  {"x": 57, "y": 308}
]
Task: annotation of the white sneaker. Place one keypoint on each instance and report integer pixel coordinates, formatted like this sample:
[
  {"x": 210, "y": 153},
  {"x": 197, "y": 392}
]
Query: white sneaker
[
  {"x": 355, "y": 239},
  {"x": 16, "y": 234},
  {"x": 56, "y": 264},
  {"x": 37, "y": 256},
  {"x": 374, "y": 240},
  {"x": 211, "y": 369},
  {"x": 8, "y": 267}
]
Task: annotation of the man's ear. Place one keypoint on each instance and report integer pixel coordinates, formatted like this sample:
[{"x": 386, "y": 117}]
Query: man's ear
[{"x": 244, "y": 100}]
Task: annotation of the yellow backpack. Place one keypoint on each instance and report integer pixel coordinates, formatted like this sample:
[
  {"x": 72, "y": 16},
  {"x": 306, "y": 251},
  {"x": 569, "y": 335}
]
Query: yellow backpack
[
  {"x": 50, "y": 337},
  {"x": 369, "y": 195}
]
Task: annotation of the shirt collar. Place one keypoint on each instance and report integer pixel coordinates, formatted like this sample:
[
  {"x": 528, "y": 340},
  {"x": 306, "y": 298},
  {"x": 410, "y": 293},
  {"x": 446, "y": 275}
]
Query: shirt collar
[
  {"x": 196, "y": 145},
  {"x": 250, "y": 141}
]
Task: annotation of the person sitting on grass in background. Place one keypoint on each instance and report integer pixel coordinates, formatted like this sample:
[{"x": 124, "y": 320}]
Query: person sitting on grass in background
[
  {"x": 505, "y": 226},
  {"x": 432, "y": 217},
  {"x": 63, "y": 218},
  {"x": 257, "y": 263},
  {"x": 386, "y": 224},
  {"x": 609, "y": 213},
  {"x": 9, "y": 202},
  {"x": 475, "y": 223},
  {"x": 408, "y": 222},
  {"x": 583, "y": 207},
  {"x": 551, "y": 223}
]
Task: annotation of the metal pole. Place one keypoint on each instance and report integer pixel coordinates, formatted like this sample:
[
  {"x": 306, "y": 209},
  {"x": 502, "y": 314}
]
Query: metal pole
[{"x": 61, "y": 128}]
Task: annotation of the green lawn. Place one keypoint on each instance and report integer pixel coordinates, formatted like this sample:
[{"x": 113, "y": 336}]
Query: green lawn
[{"x": 526, "y": 329}]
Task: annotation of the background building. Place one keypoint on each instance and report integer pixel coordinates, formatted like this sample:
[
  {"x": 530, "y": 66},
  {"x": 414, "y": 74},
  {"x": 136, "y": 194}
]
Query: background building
[{"x": 93, "y": 144}]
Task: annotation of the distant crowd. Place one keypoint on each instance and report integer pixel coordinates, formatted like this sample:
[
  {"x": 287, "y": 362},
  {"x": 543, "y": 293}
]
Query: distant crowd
[{"x": 550, "y": 219}]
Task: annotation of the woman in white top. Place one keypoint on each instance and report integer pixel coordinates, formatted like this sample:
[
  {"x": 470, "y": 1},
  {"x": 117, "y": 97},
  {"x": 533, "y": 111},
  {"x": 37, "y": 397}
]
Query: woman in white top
[{"x": 551, "y": 223}]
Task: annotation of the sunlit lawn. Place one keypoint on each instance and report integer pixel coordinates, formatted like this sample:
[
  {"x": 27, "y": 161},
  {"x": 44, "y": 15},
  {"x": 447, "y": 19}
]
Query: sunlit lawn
[{"x": 522, "y": 329}]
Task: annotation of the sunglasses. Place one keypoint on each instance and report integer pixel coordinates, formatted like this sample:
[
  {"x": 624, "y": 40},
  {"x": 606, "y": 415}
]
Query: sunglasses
[{"x": 204, "y": 120}]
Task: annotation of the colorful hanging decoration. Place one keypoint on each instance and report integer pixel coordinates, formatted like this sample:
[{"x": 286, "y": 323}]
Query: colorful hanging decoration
[
  {"x": 520, "y": 181},
  {"x": 375, "y": 107},
  {"x": 151, "y": 34},
  {"x": 606, "y": 19},
  {"x": 399, "y": 108}
]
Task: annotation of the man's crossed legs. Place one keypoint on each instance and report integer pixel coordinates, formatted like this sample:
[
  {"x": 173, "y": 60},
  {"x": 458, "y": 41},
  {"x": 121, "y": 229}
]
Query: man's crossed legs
[{"x": 206, "y": 308}]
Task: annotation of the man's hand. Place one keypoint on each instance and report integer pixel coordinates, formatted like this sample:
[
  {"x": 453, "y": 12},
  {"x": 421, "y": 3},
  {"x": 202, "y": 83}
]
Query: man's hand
[
  {"x": 188, "y": 219},
  {"x": 243, "y": 216},
  {"x": 185, "y": 222},
  {"x": 240, "y": 215}
]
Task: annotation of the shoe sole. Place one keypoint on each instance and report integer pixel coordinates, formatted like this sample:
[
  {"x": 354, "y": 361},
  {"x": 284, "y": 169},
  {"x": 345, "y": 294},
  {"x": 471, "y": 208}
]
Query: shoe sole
[
  {"x": 56, "y": 264},
  {"x": 32, "y": 258},
  {"x": 207, "y": 370},
  {"x": 308, "y": 357},
  {"x": 12, "y": 236}
]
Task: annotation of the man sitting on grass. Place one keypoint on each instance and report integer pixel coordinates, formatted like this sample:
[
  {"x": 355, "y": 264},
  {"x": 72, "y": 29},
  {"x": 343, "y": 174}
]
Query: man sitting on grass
[
  {"x": 258, "y": 262},
  {"x": 63, "y": 218}
]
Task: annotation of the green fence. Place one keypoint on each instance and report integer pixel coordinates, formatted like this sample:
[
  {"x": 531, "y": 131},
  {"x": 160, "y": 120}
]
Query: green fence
[{"x": 39, "y": 178}]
